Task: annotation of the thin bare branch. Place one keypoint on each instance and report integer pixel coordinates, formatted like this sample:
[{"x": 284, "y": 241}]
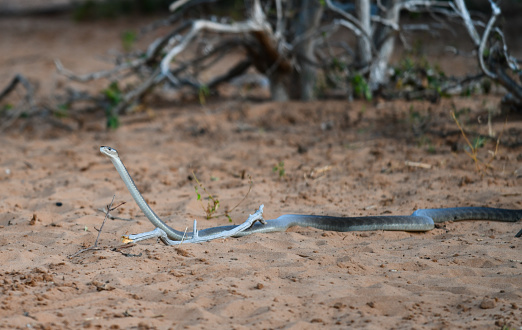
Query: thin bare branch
[
  {"x": 389, "y": 23},
  {"x": 279, "y": 24},
  {"x": 19, "y": 79},
  {"x": 239, "y": 69},
  {"x": 485, "y": 37},
  {"x": 25, "y": 106},
  {"x": 200, "y": 25},
  {"x": 97, "y": 75},
  {"x": 462, "y": 10},
  {"x": 113, "y": 217},
  {"x": 177, "y": 4}
]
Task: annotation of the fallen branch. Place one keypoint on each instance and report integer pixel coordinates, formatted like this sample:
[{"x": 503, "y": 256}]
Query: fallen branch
[
  {"x": 159, "y": 233},
  {"x": 24, "y": 106},
  {"x": 99, "y": 74},
  {"x": 19, "y": 79}
]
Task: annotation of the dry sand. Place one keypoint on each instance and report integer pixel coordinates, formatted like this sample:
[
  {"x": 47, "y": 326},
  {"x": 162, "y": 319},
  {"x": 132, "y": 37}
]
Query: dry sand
[{"x": 339, "y": 158}]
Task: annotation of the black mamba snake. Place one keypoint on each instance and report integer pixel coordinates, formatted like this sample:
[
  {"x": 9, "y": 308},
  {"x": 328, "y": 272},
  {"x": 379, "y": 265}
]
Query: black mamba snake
[{"x": 420, "y": 220}]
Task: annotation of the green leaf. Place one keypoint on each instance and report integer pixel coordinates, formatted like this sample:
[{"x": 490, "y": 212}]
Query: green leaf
[
  {"x": 478, "y": 142},
  {"x": 128, "y": 38},
  {"x": 113, "y": 122},
  {"x": 361, "y": 87},
  {"x": 203, "y": 92},
  {"x": 113, "y": 93}
]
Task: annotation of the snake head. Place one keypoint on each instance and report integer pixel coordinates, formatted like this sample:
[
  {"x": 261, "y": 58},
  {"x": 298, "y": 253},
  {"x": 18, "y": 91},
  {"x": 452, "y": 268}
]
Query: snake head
[{"x": 108, "y": 151}]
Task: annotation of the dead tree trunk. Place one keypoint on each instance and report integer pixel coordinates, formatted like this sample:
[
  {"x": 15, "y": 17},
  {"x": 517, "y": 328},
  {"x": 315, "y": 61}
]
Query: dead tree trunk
[
  {"x": 384, "y": 40},
  {"x": 364, "y": 47},
  {"x": 305, "y": 72}
]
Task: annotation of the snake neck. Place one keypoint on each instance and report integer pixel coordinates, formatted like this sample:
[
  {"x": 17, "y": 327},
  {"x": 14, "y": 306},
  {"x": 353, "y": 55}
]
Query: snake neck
[{"x": 142, "y": 204}]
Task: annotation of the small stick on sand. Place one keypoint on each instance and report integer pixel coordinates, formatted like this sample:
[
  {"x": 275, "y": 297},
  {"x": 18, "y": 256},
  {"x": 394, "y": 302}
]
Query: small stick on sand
[
  {"x": 417, "y": 164},
  {"x": 113, "y": 217},
  {"x": 95, "y": 246}
]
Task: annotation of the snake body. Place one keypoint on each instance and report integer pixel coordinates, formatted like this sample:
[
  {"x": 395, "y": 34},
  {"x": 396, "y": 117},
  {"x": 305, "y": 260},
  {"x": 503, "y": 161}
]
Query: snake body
[{"x": 420, "y": 220}]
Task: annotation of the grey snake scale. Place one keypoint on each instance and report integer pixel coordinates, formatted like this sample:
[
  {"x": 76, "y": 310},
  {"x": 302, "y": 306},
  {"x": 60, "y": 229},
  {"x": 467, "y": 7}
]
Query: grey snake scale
[{"x": 420, "y": 220}]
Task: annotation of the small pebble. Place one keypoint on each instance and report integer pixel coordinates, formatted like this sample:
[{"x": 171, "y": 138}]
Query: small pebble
[{"x": 487, "y": 303}]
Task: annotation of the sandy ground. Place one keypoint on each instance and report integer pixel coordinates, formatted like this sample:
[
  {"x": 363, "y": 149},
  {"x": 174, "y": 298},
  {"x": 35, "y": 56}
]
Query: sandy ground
[{"x": 339, "y": 158}]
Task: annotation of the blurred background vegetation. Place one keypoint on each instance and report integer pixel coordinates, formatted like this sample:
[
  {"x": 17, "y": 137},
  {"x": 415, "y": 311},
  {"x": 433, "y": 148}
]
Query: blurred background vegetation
[{"x": 102, "y": 9}]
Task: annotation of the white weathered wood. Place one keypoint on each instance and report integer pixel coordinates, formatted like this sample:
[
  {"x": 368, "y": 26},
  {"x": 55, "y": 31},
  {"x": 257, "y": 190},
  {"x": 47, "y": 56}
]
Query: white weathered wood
[{"x": 159, "y": 233}]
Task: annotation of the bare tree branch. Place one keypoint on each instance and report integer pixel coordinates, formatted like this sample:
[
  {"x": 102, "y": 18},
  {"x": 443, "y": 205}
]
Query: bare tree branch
[
  {"x": 19, "y": 79},
  {"x": 462, "y": 10},
  {"x": 199, "y": 25},
  {"x": 97, "y": 75}
]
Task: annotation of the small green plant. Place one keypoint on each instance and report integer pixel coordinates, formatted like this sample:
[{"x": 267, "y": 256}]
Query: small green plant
[
  {"x": 203, "y": 93},
  {"x": 279, "y": 168},
  {"x": 128, "y": 38},
  {"x": 507, "y": 327},
  {"x": 361, "y": 89},
  {"x": 213, "y": 203},
  {"x": 425, "y": 142},
  {"x": 414, "y": 74},
  {"x": 6, "y": 107},
  {"x": 62, "y": 111},
  {"x": 478, "y": 142},
  {"x": 473, "y": 148},
  {"x": 114, "y": 96}
]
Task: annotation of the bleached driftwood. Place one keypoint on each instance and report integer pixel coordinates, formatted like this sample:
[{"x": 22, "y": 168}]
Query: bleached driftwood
[{"x": 159, "y": 233}]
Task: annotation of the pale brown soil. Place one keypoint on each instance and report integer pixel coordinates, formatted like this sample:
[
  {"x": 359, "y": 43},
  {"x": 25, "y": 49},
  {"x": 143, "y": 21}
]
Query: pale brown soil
[{"x": 340, "y": 158}]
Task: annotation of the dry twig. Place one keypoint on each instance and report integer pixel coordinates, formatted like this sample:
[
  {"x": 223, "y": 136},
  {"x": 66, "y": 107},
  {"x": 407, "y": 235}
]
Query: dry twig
[
  {"x": 95, "y": 246},
  {"x": 113, "y": 217}
]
